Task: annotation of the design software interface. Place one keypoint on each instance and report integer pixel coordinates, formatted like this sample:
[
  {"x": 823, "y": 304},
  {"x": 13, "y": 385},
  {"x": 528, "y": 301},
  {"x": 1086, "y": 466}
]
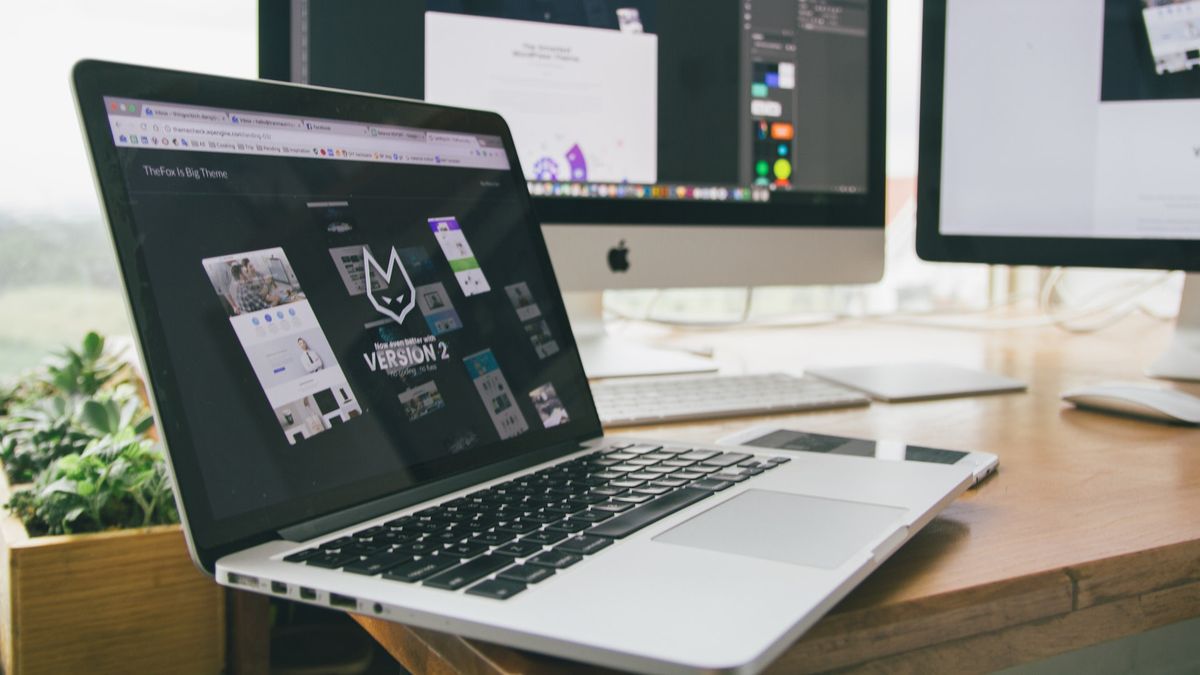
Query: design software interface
[
  {"x": 370, "y": 293},
  {"x": 736, "y": 100}
]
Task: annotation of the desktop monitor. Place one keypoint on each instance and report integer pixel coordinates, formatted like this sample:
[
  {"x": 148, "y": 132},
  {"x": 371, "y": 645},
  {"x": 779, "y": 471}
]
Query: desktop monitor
[
  {"x": 665, "y": 144},
  {"x": 1065, "y": 133}
]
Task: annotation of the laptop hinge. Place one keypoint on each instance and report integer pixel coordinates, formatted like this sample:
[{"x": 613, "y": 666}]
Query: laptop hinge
[{"x": 321, "y": 525}]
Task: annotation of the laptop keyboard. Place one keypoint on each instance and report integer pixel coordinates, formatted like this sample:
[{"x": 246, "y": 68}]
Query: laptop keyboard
[{"x": 497, "y": 541}]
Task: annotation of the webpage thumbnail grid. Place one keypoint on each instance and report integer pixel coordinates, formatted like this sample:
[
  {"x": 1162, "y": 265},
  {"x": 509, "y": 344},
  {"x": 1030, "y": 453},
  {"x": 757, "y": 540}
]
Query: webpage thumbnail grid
[{"x": 284, "y": 342}]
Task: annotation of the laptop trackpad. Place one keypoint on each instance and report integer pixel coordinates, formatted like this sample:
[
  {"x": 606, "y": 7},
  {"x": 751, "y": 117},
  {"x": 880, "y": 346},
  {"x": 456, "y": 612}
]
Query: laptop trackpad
[{"x": 786, "y": 527}]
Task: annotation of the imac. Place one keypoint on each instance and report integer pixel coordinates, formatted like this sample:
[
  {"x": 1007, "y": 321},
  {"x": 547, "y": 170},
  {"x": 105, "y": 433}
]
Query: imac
[
  {"x": 665, "y": 144},
  {"x": 1065, "y": 133}
]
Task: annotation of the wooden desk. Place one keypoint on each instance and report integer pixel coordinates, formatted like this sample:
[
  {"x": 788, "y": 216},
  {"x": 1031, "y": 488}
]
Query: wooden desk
[{"x": 1089, "y": 532}]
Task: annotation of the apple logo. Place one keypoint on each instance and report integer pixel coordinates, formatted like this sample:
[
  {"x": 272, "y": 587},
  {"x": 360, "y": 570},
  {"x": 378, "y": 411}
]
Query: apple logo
[{"x": 618, "y": 258}]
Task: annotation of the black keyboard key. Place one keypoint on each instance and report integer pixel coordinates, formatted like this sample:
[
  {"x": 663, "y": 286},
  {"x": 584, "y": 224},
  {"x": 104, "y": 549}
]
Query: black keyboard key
[
  {"x": 494, "y": 538},
  {"x": 730, "y": 477},
  {"x": 517, "y": 526},
  {"x": 588, "y": 498},
  {"x": 643, "y": 461},
  {"x": 710, "y": 485},
  {"x": 607, "y": 475},
  {"x": 642, "y": 475},
  {"x": 419, "y": 569},
  {"x": 500, "y": 589},
  {"x": 567, "y": 508},
  {"x": 554, "y": 559},
  {"x": 592, "y": 516},
  {"x": 526, "y": 574},
  {"x": 779, "y": 460},
  {"x": 612, "y": 507},
  {"x": 680, "y": 463},
  {"x": 698, "y": 455},
  {"x": 727, "y": 459},
  {"x": 623, "y": 468},
  {"x": 468, "y": 572},
  {"x": 423, "y": 547},
  {"x": 583, "y": 544},
  {"x": 607, "y": 491},
  {"x": 467, "y": 549},
  {"x": 544, "y": 517},
  {"x": 684, "y": 475},
  {"x": 301, "y": 556},
  {"x": 570, "y": 526},
  {"x": 642, "y": 449},
  {"x": 378, "y": 564},
  {"x": 544, "y": 537},
  {"x": 627, "y": 483},
  {"x": 661, "y": 470},
  {"x": 667, "y": 483},
  {"x": 632, "y": 498},
  {"x": 653, "y": 490},
  {"x": 450, "y": 536},
  {"x": 702, "y": 468},
  {"x": 519, "y": 549},
  {"x": 628, "y": 523},
  {"x": 331, "y": 560},
  {"x": 335, "y": 544}
]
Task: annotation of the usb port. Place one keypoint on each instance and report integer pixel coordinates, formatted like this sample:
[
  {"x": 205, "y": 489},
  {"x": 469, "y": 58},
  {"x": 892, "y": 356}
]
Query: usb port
[
  {"x": 279, "y": 587},
  {"x": 343, "y": 601},
  {"x": 307, "y": 594}
]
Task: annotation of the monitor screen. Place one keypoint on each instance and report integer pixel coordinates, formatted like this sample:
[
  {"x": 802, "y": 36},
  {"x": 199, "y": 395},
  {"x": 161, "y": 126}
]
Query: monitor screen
[
  {"x": 759, "y": 112},
  {"x": 1075, "y": 119},
  {"x": 348, "y": 307}
]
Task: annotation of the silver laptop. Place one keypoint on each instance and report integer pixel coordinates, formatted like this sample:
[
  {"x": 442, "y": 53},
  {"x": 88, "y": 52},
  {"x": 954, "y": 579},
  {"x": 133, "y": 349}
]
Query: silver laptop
[{"x": 372, "y": 399}]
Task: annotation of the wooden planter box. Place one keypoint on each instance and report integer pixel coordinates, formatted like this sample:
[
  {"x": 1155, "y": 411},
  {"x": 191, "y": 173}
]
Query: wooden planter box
[{"x": 125, "y": 601}]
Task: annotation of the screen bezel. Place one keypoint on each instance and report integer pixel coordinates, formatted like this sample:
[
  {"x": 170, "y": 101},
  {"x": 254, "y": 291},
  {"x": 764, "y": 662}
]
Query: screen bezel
[
  {"x": 805, "y": 209},
  {"x": 210, "y": 537},
  {"x": 932, "y": 245}
]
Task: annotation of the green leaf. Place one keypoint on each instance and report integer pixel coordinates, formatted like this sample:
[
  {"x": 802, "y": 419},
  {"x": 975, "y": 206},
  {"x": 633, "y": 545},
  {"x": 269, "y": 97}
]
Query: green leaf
[
  {"x": 98, "y": 416},
  {"x": 93, "y": 346}
]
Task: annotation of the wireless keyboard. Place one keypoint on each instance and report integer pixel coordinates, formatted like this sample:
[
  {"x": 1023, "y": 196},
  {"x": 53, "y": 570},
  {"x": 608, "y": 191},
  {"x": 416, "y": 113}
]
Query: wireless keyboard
[{"x": 628, "y": 402}]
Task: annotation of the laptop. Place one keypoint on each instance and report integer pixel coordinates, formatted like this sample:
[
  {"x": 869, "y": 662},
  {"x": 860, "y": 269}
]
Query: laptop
[{"x": 372, "y": 400}]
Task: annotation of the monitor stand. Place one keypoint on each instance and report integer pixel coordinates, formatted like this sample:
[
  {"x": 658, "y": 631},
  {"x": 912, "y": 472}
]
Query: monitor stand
[
  {"x": 1181, "y": 361},
  {"x": 606, "y": 356}
]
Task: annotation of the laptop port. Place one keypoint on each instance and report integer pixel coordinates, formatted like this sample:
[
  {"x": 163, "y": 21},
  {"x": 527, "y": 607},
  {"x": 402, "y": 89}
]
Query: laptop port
[
  {"x": 242, "y": 579},
  {"x": 279, "y": 587},
  {"x": 307, "y": 594},
  {"x": 343, "y": 601}
]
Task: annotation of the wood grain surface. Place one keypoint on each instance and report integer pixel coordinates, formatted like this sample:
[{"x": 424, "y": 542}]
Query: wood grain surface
[{"x": 1089, "y": 531}]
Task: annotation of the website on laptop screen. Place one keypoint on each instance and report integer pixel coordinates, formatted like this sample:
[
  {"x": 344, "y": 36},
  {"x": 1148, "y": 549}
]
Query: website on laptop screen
[{"x": 342, "y": 301}]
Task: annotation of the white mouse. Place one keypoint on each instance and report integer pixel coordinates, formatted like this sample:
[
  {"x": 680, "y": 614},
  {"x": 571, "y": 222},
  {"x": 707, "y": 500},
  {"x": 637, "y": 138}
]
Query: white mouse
[{"x": 1164, "y": 405}]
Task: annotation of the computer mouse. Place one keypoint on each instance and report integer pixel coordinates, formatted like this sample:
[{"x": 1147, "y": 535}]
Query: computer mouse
[{"x": 1162, "y": 405}]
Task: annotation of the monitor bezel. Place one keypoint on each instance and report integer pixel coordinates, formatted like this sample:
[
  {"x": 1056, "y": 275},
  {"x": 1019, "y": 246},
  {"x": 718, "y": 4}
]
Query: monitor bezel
[
  {"x": 210, "y": 538},
  {"x": 933, "y": 245},
  {"x": 815, "y": 209}
]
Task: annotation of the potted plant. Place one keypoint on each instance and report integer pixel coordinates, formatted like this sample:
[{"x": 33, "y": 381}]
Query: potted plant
[{"x": 94, "y": 572}]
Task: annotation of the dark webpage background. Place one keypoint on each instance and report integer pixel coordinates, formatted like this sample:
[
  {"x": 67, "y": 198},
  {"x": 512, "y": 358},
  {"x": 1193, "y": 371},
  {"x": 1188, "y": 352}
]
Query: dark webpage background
[
  {"x": 379, "y": 46},
  {"x": 243, "y": 455}
]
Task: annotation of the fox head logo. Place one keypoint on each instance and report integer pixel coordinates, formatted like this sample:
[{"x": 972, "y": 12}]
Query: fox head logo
[{"x": 387, "y": 294}]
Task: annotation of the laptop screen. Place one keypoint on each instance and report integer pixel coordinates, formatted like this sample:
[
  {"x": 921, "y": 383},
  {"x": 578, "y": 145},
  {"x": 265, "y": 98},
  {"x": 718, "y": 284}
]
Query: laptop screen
[{"x": 347, "y": 308}]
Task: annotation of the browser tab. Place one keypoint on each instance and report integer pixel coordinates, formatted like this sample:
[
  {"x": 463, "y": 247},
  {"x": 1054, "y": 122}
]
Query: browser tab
[
  {"x": 330, "y": 127},
  {"x": 265, "y": 121},
  {"x": 440, "y": 138},
  {"x": 182, "y": 114}
]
